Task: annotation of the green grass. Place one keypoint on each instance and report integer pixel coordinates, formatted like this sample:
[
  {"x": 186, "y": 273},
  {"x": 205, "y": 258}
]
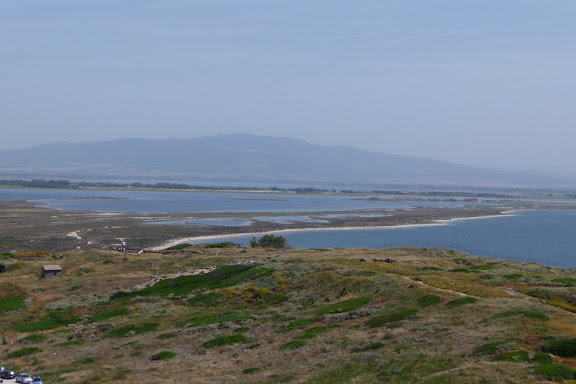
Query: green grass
[
  {"x": 164, "y": 355},
  {"x": 555, "y": 372},
  {"x": 369, "y": 347},
  {"x": 484, "y": 267},
  {"x": 529, "y": 314},
  {"x": 569, "y": 281},
  {"x": 462, "y": 301},
  {"x": 513, "y": 276},
  {"x": 224, "y": 340},
  {"x": 428, "y": 301},
  {"x": 165, "y": 336},
  {"x": 311, "y": 333},
  {"x": 206, "y": 300},
  {"x": 249, "y": 371},
  {"x": 108, "y": 314},
  {"x": 402, "y": 314},
  {"x": 33, "y": 339},
  {"x": 135, "y": 328},
  {"x": 215, "y": 318},
  {"x": 490, "y": 348},
  {"x": 294, "y": 344},
  {"x": 11, "y": 303},
  {"x": 225, "y": 276},
  {"x": 70, "y": 343},
  {"x": 274, "y": 298},
  {"x": 343, "y": 306},
  {"x": 179, "y": 246},
  {"x": 39, "y": 325},
  {"x": 225, "y": 244},
  {"x": 85, "y": 360},
  {"x": 431, "y": 269},
  {"x": 23, "y": 352},
  {"x": 521, "y": 356}
]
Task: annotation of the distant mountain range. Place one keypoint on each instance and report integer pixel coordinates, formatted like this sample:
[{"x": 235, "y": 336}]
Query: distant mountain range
[{"x": 246, "y": 158}]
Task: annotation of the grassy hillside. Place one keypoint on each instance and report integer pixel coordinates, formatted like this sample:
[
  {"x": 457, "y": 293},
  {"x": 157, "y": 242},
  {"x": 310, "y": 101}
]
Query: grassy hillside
[{"x": 237, "y": 315}]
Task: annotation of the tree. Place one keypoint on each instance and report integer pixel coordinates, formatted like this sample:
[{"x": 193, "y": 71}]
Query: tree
[{"x": 269, "y": 241}]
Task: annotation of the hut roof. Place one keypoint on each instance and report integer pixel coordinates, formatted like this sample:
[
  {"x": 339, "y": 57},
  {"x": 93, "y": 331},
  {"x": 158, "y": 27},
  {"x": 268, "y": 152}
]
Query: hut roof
[{"x": 51, "y": 267}]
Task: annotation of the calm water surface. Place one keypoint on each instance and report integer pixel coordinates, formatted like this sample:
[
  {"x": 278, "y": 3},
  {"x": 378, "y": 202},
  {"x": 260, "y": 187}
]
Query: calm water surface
[{"x": 544, "y": 237}]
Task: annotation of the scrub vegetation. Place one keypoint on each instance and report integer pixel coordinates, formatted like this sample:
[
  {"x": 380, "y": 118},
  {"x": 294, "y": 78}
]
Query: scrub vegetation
[{"x": 231, "y": 314}]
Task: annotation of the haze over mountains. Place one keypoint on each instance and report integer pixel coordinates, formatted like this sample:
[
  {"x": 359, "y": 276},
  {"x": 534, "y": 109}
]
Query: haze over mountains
[{"x": 246, "y": 158}]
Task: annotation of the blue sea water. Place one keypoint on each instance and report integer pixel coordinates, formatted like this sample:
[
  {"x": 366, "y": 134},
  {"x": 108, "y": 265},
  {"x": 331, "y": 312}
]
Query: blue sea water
[{"x": 541, "y": 236}]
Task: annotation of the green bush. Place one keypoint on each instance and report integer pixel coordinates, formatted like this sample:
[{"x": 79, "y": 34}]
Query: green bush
[
  {"x": 225, "y": 244},
  {"x": 462, "y": 301},
  {"x": 379, "y": 321},
  {"x": 11, "y": 303},
  {"x": 269, "y": 241},
  {"x": 311, "y": 333},
  {"x": 343, "y": 306},
  {"x": 521, "y": 356},
  {"x": 294, "y": 344},
  {"x": 23, "y": 352},
  {"x": 163, "y": 355},
  {"x": 513, "y": 276},
  {"x": 224, "y": 340},
  {"x": 561, "y": 347},
  {"x": 428, "y": 300},
  {"x": 39, "y": 325},
  {"x": 493, "y": 347},
  {"x": 556, "y": 371},
  {"x": 249, "y": 371},
  {"x": 209, "y": 299}
]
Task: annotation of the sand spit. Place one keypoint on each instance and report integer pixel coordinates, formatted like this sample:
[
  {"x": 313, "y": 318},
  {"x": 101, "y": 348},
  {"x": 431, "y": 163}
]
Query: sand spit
[{"x": 226, "y": 236}]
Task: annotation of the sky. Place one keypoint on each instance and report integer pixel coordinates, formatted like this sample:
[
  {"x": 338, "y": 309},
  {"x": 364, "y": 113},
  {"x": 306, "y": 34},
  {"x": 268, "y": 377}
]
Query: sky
[{"x": 487, "y": 83}]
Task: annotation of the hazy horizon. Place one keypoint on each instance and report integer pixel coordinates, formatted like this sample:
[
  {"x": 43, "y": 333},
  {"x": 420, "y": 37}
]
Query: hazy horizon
[{"x": 475, "y": 83}]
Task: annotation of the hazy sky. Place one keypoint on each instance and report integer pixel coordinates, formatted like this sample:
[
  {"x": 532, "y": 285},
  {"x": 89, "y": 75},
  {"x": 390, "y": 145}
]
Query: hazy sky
[{"x": 474, "y": 82}]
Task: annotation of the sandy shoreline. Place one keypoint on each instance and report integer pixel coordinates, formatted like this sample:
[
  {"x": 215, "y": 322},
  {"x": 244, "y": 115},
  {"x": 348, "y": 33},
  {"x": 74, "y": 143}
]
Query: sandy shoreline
[{"x": 226, "y": 236}]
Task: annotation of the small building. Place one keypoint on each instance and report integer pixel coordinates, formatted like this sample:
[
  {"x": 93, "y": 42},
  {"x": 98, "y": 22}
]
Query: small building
[{"x": 51, "y": 271}]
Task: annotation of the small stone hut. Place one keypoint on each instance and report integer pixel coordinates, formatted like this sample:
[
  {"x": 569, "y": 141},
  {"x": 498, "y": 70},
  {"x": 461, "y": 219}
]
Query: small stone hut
[{"x": 51, "y": 271}]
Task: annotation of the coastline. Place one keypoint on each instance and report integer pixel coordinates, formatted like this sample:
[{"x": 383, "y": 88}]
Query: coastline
[{"x": 179, "y": 241}]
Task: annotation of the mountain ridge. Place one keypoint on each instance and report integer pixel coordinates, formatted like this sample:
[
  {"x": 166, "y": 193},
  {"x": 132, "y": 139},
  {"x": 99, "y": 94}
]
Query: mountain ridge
[{"x": 250, "y": 158}]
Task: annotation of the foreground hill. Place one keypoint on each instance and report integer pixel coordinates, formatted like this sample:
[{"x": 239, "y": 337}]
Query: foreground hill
[
  {"x": 250, "y": 159},
  {"x": 220, "y": 313}
]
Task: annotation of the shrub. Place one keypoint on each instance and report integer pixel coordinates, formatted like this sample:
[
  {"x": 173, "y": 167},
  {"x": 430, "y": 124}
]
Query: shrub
[
  {"x": 343, "y": 306},
  {"x": 494, "y": 347},
  {"x": 428, "y": 300},
  {"x": 513, "y": 276},
  {"x": 561, "y": 347},
  {"x": 249, "y": 371},
  {"x": 269, "y": 241},
  {"x": 23, "y": 352},
  {"x": 163, "y": 355},
  {"x": 39, "y": 325},
  {"x": 208, "y": 299},
  {"x": 403, "y": 314},
  {"x": 224, "y": 340},
  {"x": 462, "y": 301},
  {"x": 520, "y": 356},
  {"x": 556, "y": 371},
  {"x": 294, "y": 344},
  {"x": 225, "y": 244}
]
